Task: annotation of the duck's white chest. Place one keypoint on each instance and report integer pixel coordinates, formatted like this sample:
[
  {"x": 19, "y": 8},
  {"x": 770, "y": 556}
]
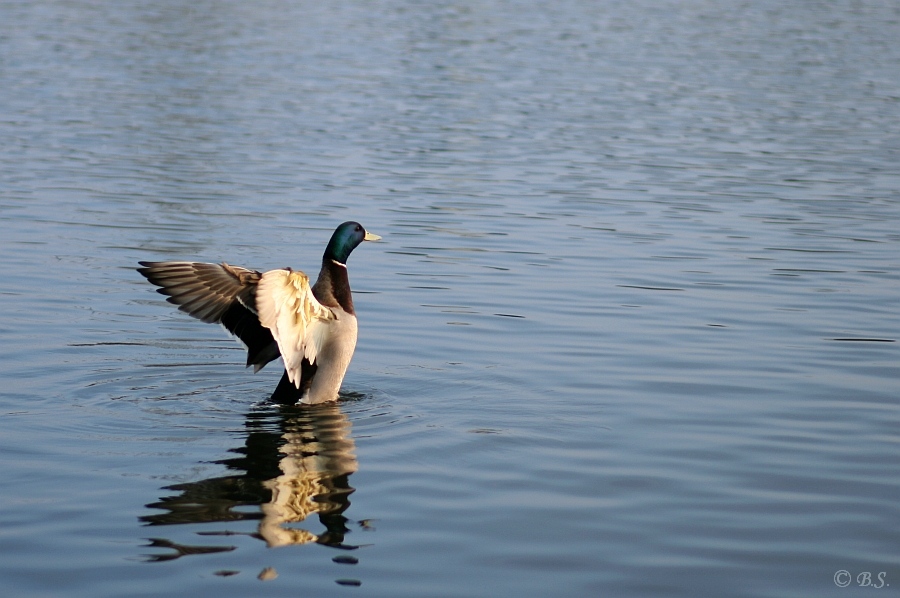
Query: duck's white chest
[{"x": 332, "y": 359}]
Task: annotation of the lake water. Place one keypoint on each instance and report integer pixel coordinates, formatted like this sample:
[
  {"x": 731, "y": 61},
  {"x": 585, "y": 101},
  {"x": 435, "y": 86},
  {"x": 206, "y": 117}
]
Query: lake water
[{"x": 632, "y": 329}]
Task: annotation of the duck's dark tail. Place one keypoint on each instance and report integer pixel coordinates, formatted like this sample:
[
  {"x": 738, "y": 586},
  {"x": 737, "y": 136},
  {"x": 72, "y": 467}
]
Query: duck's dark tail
[{"x": 288, "y": 394}]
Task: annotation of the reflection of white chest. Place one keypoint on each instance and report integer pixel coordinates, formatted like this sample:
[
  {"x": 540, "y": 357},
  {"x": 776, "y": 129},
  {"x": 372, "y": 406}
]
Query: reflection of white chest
[{"x": 333, "y": 358}]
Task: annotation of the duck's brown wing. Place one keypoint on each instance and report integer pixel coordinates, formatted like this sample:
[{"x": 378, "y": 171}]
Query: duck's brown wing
[{"x": 217, "y": 293}]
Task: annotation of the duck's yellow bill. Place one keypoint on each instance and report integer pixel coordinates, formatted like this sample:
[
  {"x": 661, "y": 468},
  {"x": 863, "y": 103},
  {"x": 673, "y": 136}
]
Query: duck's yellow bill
[{"x": 370, "y": 237}]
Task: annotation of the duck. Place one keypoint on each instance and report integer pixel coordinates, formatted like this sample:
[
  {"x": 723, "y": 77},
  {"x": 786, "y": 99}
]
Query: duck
[{"x": 277, "y": 313}]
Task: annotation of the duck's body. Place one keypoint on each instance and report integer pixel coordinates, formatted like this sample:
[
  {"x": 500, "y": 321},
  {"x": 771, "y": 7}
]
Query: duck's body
[{"x": 277, "y": 313}]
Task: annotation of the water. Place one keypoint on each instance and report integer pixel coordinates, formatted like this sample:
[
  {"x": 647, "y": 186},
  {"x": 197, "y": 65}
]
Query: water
[{"x": 632, "y": 329}]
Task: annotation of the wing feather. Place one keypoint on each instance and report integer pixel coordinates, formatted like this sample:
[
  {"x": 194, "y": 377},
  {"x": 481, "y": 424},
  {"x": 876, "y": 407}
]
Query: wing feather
[
  {"x": 217, "y": 293},
  {"x": 298, "y": 322},
  {"x": 204, "y": 291}
]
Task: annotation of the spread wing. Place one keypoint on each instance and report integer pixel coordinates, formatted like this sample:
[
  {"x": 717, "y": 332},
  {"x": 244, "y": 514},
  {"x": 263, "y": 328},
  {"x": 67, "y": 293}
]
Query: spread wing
[
  {"x": 299, "y": 323},
  {"x": 217, "y": 293}
]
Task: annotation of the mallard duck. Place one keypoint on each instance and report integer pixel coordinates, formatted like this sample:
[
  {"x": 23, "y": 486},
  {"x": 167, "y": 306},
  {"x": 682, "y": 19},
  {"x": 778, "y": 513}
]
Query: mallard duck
[{"x": 277, "y": 313}]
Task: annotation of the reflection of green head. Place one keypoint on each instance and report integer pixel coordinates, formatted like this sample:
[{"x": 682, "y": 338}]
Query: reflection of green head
[{"x": 345, "y": 239}]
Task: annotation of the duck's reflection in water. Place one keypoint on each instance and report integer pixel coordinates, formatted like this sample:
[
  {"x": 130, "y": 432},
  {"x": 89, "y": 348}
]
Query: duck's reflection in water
[{"x": 296, "y": 462}]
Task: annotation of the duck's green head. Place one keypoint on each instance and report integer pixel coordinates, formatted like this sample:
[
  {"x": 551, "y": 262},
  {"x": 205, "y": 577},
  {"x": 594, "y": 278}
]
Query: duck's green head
[{"x": 345, "y": 239}]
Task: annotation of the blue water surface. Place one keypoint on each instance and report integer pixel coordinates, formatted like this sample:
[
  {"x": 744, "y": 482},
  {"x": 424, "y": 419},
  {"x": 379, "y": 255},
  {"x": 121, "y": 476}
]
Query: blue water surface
[{"x": 631, "y": 331}]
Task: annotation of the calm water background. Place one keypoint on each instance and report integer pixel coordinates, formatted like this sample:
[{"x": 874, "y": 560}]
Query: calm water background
[{"x": 631, "y": 330}]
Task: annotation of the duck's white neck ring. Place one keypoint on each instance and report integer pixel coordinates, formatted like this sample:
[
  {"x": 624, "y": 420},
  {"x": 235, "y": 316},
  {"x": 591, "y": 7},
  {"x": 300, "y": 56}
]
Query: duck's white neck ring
[{"x": 344, "y": 266}]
